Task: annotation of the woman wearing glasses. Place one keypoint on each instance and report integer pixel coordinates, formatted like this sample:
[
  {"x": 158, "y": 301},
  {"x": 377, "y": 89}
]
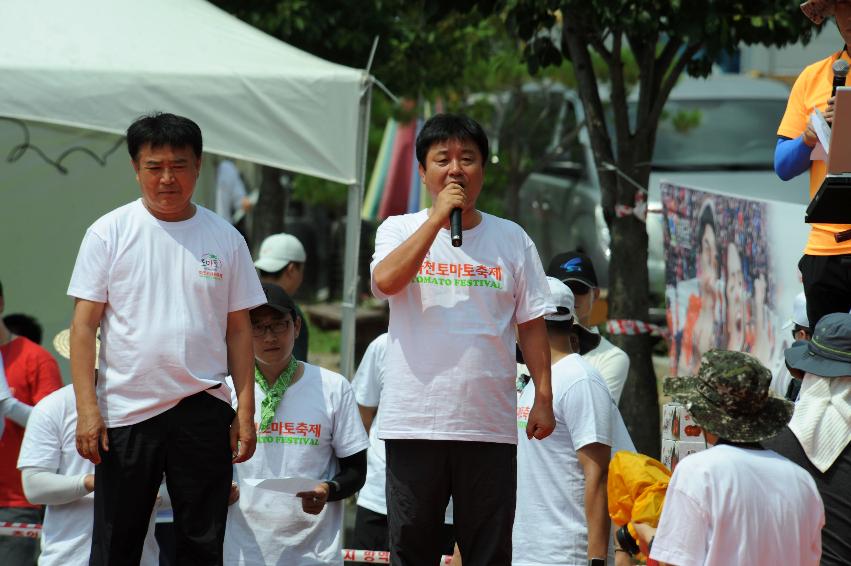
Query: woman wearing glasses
[{"x": 308, "y": 427}]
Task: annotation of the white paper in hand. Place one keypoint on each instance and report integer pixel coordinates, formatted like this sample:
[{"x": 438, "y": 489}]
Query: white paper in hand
[
  {"x": 822, "y": 129},
  {"x": 283, "y": 485}
]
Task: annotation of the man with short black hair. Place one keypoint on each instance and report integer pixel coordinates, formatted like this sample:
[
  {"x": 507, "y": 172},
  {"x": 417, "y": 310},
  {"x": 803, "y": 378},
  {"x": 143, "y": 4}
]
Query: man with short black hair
[
  {"x": 576, "y": 270},
  {"x": 24, "y": 325},
  {"x": 170, "y": 284},
  {"x": 449, "y": 407},
  {"x": 281, "y": 261}
]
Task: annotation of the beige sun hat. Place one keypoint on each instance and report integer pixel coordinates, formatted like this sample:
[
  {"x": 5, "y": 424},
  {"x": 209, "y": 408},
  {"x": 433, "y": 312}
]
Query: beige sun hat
[
  {"x": 818, "y": 10},
  {"x": 62, "y": 344}
]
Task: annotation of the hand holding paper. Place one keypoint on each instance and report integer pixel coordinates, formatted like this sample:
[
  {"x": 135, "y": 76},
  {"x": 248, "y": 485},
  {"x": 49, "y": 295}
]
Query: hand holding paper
[
  {"x": 822, "y": 130},
  {"x": 313, "y": 501}
]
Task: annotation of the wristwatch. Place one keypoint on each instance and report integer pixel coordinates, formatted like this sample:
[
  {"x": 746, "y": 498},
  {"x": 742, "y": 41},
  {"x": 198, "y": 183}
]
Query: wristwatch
[{"x": 596, "y": 562}]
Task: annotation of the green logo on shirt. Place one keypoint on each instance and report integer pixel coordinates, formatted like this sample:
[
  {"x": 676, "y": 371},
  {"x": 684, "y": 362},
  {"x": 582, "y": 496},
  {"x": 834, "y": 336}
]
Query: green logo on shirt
[{"x": 211, "y": 267}]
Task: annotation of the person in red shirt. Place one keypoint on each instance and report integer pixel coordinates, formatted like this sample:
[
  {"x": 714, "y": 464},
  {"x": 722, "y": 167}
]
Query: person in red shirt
[{"x": 32, "y": 374}]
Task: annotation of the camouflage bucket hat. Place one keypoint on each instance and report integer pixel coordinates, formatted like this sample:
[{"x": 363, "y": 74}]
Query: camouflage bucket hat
[{"x": 730, "y": 397}]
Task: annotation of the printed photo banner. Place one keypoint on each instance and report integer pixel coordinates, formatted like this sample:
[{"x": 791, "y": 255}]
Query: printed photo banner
[{"x": 731, "y": 274}]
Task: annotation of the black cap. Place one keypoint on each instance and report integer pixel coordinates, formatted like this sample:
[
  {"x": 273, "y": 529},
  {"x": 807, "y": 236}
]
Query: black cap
[
  {"x": 573, "y": 266},
  {"x": 278, "y": 299}
]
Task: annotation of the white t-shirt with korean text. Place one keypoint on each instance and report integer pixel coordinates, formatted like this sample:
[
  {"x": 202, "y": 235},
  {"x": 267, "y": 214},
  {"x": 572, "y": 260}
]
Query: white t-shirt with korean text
[
  {"x": 730, "y": 505},
  {"x": 50, "y": 444},
  {"x": 316, "y": 423},
  {"x": 451, "y": 346},
  {"x": 168, "y": 288},
  {"x": 367, "y": 385},
  {"x": 550, "y": 527}
]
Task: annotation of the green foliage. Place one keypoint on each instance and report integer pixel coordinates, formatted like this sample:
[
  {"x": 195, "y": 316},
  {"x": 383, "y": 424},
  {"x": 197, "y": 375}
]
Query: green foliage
[
  {"x": 423, "y": 47},
  {"x": 684, "y": 120},
  {"x": 717, "y": 26},
  {"x": 324, "y": 341}
]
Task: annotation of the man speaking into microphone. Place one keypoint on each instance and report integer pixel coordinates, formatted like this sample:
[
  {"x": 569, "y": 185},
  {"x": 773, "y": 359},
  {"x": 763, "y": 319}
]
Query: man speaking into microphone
[
  {"x": 449, "y": 407},
  {"x": 826, "y": 264}
]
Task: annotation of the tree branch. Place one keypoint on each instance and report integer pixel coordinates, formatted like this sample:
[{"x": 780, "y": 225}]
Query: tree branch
[
  {"x": 587, "y": 85},
  {"x": 670, "y": 80},
  {"x": 619, "y": 95},
  {"x": 600, "y": 47},
  {"x": 652, "y": 72}
]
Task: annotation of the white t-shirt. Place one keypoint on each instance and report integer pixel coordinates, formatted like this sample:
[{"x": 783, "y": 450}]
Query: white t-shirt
[
  {"x": 50, "y": 443},
  {"x": 730, "y": 505},
  {"x": 168, "y": 288},
  {"x": 549, "y": 524},
  {"x": 612, "y": 363},
  {"x": 451, "y": 346},
  {"x": 316, "y": 423},
  {"x": 367, "y": 385},
  {"x": 230, "y": 190},
  {"x": 5, "y": 392}
]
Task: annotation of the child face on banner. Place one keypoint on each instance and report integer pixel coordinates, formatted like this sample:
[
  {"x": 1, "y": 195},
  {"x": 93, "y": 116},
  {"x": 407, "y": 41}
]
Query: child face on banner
[
  {"x": 707, "y": 267},
  {"x": 735, "y": 295}
]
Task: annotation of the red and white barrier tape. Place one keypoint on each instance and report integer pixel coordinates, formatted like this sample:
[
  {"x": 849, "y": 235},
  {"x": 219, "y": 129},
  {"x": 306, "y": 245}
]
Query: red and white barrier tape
[
  {"x": 28, "y": 530},
  {"x": 33, "y": 530},
  {"x": 635, "y": 327}
]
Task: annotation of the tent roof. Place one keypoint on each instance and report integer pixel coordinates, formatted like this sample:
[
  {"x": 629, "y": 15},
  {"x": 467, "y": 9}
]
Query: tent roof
[{"x": 98, "y": 64}]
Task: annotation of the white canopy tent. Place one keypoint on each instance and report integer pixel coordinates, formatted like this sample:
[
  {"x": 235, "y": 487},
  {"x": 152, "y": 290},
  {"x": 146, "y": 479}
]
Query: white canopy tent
[{"x": 98, "y": 64}]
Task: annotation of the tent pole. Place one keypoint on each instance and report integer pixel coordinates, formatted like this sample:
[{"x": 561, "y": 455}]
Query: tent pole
[{"x": 352, "y": 248}]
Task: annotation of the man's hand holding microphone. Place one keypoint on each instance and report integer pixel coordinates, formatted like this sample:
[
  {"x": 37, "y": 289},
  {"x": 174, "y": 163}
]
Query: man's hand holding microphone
[{"x": 449, "y": 205}]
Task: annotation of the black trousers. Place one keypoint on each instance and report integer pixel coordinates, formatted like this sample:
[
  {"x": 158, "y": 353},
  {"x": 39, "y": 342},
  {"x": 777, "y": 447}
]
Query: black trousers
[
  {"x": 481, "y": 477},
  {"x": 827, "y": 285},
  {"x": 372, "y": 533},
  {"x": 190, "y": 444}
]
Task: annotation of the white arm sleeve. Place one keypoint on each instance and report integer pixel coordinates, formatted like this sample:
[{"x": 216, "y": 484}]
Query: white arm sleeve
[
  {"x": 43, "y": 487},
  {"x": 17, "y": 411}
]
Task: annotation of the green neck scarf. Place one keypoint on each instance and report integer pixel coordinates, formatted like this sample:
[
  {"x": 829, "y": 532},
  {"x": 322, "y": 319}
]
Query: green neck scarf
[{"x": 275, "y": 393}]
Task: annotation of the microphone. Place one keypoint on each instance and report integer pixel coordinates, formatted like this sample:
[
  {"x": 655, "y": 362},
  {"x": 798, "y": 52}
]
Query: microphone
[
  {"x": 840, "y": 71},
  {"x": 455, "y": 226}
]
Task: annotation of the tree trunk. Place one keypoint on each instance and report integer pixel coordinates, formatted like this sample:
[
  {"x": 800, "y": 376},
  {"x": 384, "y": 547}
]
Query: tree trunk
[
  {"x": 271, "y": 207},
  {"x": 629, "y": 298}
]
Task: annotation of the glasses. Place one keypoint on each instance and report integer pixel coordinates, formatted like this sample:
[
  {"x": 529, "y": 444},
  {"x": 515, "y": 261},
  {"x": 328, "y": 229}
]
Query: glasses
[
  {"x": 259, "y": 330},
  {"x": 578, "y": 288}
]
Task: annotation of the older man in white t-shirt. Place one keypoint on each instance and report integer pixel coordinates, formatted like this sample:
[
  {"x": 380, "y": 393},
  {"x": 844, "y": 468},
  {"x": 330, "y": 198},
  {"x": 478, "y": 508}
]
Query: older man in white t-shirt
[
  {"x": 170, "y": 285},
  {"x": 562, "y": 515},
  {"x": 448, "y": 412}
]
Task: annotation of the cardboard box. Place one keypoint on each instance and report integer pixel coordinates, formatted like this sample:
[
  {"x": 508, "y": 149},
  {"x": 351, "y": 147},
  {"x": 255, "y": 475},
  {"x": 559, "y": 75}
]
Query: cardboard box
[
  {"x": 673, "y": 451},
  {"x": 678, "y": 424}
]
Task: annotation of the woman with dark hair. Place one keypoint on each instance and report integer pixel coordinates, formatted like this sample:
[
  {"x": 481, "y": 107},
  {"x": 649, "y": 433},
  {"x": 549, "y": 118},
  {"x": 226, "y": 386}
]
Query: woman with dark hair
[{"x": 700, "y": 330}]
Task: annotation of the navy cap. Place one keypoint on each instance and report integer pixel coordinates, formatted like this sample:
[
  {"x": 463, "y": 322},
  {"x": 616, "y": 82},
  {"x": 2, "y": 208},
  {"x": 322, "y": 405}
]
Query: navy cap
[{"x": 573, "y": 266}]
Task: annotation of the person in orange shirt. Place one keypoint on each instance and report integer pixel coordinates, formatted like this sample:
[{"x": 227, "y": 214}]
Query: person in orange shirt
[
  {"x": 32, "y": 374},
  {"x": 826, "y": 264}
]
